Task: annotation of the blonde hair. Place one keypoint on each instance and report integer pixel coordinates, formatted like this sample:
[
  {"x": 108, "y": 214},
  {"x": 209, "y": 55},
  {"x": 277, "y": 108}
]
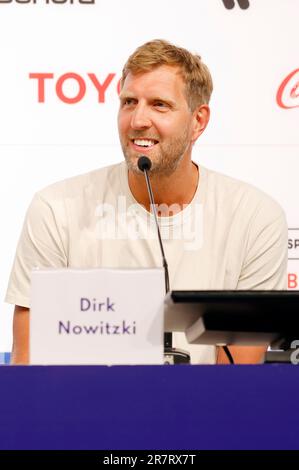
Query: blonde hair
[{"x": 195, "y": 73}]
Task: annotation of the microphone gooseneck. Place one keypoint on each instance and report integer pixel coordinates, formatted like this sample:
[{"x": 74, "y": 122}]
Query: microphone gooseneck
[{"x": 144, "y": 164}]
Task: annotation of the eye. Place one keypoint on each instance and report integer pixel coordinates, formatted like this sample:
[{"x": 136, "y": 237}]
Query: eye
[
  {"x": 128, "y": 101},
  {"x": 161, "y": 105}
]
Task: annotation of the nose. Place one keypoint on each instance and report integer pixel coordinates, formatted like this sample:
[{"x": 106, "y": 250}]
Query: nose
[{"x": 140, "y": 118}]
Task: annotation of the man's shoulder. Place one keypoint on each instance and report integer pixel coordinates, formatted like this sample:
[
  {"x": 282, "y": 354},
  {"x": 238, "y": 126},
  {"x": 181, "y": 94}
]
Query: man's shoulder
[
  {"x": 92, "y": 182},
  {"x": 236, "y": 194}
]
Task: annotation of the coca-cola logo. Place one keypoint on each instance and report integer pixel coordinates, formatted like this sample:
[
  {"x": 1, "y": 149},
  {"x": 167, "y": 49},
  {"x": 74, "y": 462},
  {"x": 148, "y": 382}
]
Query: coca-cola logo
[{"x": 288, "y": 93}]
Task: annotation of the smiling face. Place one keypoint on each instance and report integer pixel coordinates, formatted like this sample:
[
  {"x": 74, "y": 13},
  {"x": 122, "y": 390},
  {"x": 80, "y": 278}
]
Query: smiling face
[{"x": 154, "y": 119}]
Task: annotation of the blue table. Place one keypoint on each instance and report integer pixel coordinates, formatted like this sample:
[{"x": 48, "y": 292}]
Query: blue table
[{"x": 149, "y": 407}]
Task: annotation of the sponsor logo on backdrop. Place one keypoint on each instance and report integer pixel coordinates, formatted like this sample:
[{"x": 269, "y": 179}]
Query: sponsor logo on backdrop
[
  {"x": 293, "y": 244},
  {"x": 71, "y": 88},
  {"x": 293, "y": 281},
  {"x": 49, "y": 2},
  {"x": 287, "y": 95},
  {"x": 230, "y": 4},
  {"x": 288, "y": 92},
  {"x": 293, "y": 249}
]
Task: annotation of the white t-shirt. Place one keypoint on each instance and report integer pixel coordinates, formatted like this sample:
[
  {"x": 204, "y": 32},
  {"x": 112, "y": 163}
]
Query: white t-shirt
[{"x": 231, "y": 236}]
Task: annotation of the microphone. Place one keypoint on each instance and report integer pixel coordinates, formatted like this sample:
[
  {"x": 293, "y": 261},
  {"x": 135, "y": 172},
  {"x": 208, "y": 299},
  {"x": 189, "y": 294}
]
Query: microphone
[{"x": 144, "y": 165}]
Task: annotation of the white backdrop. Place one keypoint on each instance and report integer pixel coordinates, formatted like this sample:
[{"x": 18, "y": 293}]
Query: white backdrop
[{"x": 253, "y": 134}]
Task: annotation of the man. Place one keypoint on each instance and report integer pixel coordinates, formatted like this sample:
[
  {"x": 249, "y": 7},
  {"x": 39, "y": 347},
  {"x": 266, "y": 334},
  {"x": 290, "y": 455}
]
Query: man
[{"x": 218, "y": 233}]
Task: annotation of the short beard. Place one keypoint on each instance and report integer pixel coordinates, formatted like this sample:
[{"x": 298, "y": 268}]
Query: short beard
[{"x": 168, "y": 159}]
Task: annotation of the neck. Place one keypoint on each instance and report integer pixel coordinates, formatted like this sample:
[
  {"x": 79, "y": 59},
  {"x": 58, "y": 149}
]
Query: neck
[{"x": 176, "y": 190}]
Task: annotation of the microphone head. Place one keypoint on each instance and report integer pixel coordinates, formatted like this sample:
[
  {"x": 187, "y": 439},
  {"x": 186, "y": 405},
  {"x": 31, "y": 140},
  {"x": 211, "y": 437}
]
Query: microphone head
[{"x": 144, "y": 163}]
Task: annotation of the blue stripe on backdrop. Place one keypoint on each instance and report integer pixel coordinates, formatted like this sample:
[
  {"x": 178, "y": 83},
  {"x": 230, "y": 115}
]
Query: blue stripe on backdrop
[
  {"x": 4, "y": 358},
  {"x": 7, "y": 358}
]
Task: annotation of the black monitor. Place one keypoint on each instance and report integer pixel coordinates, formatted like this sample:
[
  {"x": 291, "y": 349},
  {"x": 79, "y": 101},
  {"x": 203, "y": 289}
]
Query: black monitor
[{"x": 234, "y": 317}]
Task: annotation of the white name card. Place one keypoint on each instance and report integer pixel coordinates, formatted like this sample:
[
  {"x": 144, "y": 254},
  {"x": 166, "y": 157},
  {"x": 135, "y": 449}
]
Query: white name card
[{"x": 97, "y": 316}]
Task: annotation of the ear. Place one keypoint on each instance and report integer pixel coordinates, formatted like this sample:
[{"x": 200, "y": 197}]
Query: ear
[{"x": 201, "y": 116}]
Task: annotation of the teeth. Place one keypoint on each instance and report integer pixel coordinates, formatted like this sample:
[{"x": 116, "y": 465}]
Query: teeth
[{"x": 144, "y": 142}]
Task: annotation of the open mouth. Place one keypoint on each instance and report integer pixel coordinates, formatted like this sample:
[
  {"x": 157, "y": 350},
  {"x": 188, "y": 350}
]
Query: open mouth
[{"x": 144, "y": 143}]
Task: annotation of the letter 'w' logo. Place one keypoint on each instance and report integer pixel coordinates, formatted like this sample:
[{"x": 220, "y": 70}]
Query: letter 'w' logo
[{"x": 229, "y": 4}]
